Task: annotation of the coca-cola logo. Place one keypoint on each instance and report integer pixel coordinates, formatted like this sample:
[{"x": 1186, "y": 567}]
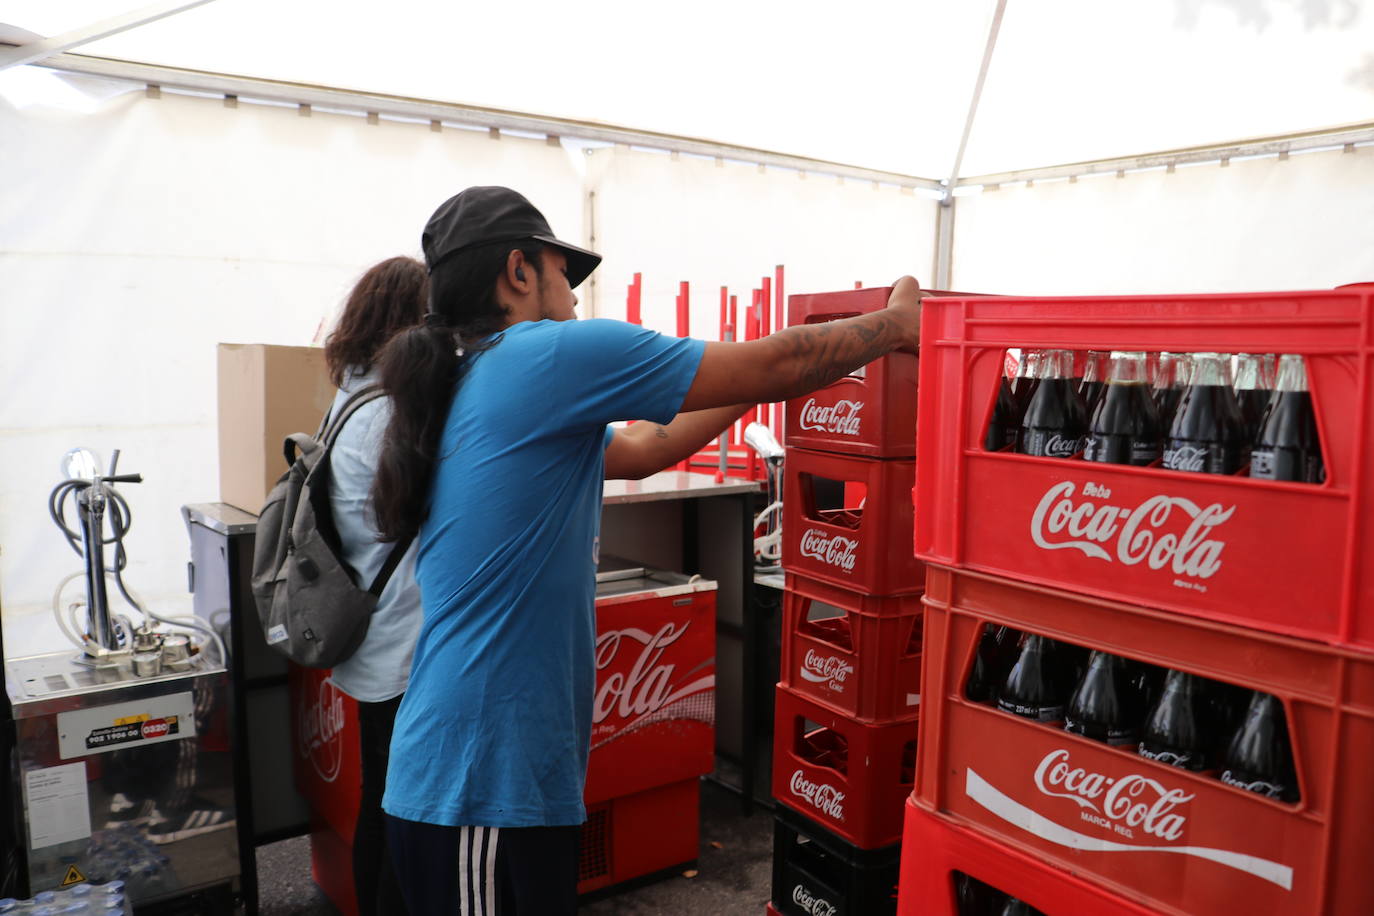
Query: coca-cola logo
[
  {"x": 646, "y": 686},
  {"x": 1059, "y": 447},
  {"x": 1186, "y": 458},
  {"x": 837, "y": 550},
  {"x": 824, "y": 797},
  {"x": 320, "y": 727},
  {"x": 1135, "y": 534},
  {"x": 1260, "y": 786},
  {"x": 825, "y": 669},
  {"x": 1134, "y": 800},
  {"x": 841, "y": 418},
  {"x": 811, "y": 904}
]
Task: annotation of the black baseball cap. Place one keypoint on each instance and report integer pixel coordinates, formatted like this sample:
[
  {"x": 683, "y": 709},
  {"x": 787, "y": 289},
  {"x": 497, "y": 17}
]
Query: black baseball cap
[{"x": 484, "y": 215}]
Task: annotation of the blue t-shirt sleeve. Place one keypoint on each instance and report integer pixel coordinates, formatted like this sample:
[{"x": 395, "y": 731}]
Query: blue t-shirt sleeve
[{"x": 614, "y": 370}]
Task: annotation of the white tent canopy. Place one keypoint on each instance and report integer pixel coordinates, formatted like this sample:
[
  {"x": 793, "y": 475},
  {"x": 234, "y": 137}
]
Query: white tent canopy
[
  {"x": 142, "y": 225},
  {"x": 869, "y": 83}
]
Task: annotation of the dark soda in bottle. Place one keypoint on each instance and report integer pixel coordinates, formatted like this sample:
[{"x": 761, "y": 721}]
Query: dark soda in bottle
[
  {"x": 1034, "y": 689},
  {"x": 1287, "y": 447},
  {"x": 1005, "y": 421},
  {"x": 1125, "y": 426},
  {"x": 1103, "y": 708},
  {"x": 996, "y": 653},
  {"x": 1055, "y": 423},
  {"x": 1253, "y": 391},
  {"x": 1172, "y": 372},
  {"x": 1259, "y": 758},
  {"x": 1175, "y": 728},
  {"x": 1094, "y": 379},
  {"x": 1207, "y": 436},
  {"x": 1024, "y": 385}
]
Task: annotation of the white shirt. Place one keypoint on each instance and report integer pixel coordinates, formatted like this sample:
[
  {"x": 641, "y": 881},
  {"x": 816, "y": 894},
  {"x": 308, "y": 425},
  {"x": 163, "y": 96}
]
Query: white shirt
[{"x": 380, "y": 669}]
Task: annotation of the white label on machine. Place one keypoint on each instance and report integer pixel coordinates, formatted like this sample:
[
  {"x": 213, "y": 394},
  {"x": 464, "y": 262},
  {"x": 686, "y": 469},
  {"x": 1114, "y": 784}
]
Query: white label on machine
[
  {"x": 59, "y": 810},
  {"x": 83, "y": 732}
]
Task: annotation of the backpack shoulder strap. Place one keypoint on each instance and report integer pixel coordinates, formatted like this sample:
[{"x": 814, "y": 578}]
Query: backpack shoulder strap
[
  {"x": 389, "y": 567},
  {"x": 357, "y": 399}
]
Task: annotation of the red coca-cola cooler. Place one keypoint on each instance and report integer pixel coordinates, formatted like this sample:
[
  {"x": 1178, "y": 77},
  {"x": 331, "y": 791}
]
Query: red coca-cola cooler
[
  {"x": 653, "y": 736},
  {"x": 653, "y": 721},
  {"x": 324, "y": 726}
]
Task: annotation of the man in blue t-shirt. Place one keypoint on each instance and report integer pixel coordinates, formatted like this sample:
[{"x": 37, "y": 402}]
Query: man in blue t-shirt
[{"x": 497, "y": 448}]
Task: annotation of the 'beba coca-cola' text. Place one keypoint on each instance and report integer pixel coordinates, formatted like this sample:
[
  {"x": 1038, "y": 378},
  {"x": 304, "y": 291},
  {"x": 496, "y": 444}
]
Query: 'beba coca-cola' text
[{"x": 1131, "y": 535}]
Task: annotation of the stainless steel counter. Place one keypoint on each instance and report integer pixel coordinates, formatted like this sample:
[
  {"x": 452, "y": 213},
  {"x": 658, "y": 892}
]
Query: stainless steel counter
[{"x": 673, "y": 485}]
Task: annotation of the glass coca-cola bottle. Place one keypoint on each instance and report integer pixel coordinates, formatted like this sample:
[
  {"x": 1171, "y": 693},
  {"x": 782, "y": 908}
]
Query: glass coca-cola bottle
[
  {"x": 1259, "y": 758},
  {"x": 1207, "y": 435},
  {"x": 990, "y": 663},
  {"x": 1005, "y": 422},
  {"x": 1253, "y": 391},
  {"x": 1103, "y": 707},
  {"x": 1172, "y": 372},
  {"x": 1055, "y": 423},
  {"x": 1125, "y": 426},
  {"x": 1033, "y": 688},
  {"x": 1094, "y": 379},
  {"x": 976, "y": 898},
  {"x": 1287, "y": 447},
  {"x": 1015, "y": 907},
  {"x": 1024, "y": 384},
  {"x": 1175, "y": 728}
]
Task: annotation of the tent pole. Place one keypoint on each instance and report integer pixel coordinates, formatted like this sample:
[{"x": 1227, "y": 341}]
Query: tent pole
[
  {"x": 47, "y": 47},
  {"x": 944, "y": 226}
]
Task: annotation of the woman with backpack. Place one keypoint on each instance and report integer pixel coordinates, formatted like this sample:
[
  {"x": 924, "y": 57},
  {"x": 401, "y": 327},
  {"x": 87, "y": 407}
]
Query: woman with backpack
[{"x": 389, "y": 297}]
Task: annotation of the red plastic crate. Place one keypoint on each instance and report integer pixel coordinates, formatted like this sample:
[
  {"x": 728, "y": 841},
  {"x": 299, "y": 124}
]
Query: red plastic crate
[
  {"x": 934, "y": 848},
  {"x": 653, "y": 715},
  {"x": 1290, "y": 558},
  {"x": 637, "y": 835},
  {"x": 1181, "y": 841},
  {"x": 847, "y": 776},
  {"x": 862, "y": 663},
  {"x": 872, "y": 412},
  {"x": 861, "y": 546}
]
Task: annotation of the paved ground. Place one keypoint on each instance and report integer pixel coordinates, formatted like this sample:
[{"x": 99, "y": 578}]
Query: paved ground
[{"x": 732, "y": 877}]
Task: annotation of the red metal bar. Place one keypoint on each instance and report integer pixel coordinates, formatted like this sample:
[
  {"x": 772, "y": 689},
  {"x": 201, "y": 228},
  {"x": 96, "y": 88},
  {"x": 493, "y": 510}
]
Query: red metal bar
[
  {"x": 724, "y": 310},
  {"x": 632, "y": 300},
  {"x": 779, "y": 322},
  {"x": 684, "y": 310},
  {"x": 858, "y": 284},
  {"x": 752, "y": 328},
  {"x": 766, "y": 307}
]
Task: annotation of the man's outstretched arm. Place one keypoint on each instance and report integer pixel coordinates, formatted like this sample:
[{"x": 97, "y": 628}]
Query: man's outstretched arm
[{"x": 800, "y": 359}]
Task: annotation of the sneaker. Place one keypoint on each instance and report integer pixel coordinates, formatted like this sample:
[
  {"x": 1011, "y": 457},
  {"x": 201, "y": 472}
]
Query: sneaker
[{"x": 163, "y": 830}]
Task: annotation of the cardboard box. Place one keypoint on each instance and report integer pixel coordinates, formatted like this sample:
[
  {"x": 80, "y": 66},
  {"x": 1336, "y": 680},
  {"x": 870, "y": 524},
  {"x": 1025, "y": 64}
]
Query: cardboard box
[{"x": 266, "y": 393}]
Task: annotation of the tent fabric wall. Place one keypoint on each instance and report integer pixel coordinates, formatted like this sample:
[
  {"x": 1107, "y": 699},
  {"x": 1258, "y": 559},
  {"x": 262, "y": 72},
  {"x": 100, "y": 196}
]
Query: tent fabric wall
[
  {"x": 729, "y": 224},
  {"x": 135, "y": 238},
  {"x": 1306, "y": 222}
]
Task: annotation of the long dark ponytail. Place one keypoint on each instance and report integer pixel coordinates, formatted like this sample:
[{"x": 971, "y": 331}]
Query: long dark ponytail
[{"x": 421, "y": 368}]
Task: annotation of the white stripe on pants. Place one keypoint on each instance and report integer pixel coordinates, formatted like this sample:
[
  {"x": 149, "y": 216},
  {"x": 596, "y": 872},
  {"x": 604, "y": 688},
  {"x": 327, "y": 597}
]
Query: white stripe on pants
[{"x": 477, "y": 871}]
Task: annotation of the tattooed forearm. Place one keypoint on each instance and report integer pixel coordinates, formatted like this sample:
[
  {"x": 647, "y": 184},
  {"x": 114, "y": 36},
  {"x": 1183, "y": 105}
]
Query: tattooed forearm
[
  {"x": 660, "y": 431},
  {"x": 820, "y": 354}
]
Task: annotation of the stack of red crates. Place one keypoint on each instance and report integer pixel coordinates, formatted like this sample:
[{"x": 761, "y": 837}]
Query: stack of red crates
[
  {"x": 1268, "y": 586},
  {"x": 844, "y": 742}
]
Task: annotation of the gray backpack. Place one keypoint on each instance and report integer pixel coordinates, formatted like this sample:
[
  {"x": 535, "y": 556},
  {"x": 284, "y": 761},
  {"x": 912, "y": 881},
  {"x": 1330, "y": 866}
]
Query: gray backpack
[{"x": 310, "y": 604}]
